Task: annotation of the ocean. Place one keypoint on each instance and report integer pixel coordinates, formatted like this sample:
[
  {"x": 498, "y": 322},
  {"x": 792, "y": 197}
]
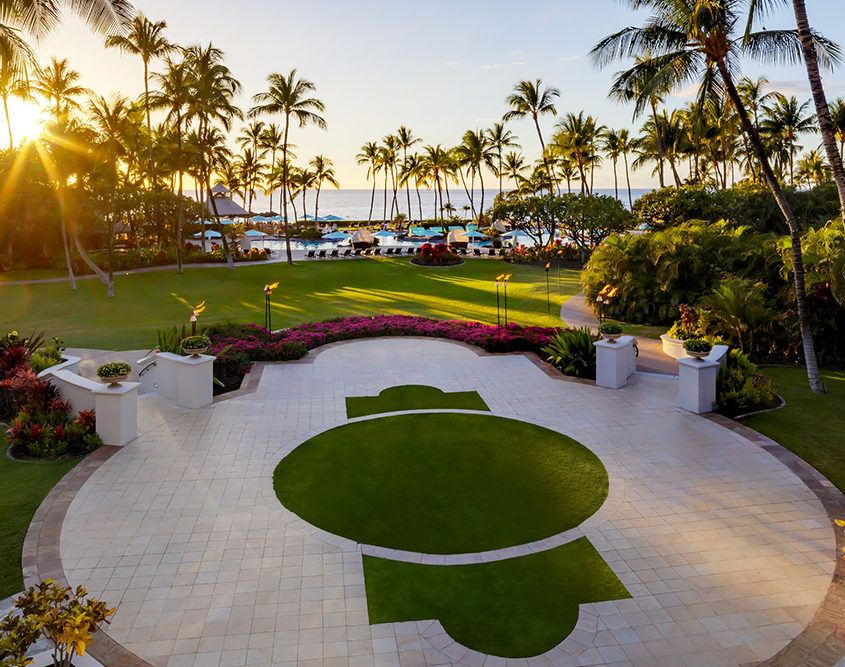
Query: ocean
[{"x": 355, "y": 204}]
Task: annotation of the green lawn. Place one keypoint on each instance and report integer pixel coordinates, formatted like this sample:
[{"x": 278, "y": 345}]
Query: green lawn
[
  {"x": 308, "y": 291},
  {"x": 413, "y": 397},
  {"x": 810, "y": 425},
  {"x": 442, "y": 483},
  {"x": 25, "y": 485},
  {"x": 515, "y": 608}
]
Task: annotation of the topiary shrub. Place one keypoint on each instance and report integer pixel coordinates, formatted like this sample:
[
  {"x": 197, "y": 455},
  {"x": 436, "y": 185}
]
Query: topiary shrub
[
  {"x": 611, "y": 328},
  {"x": 697, "y": 345}
]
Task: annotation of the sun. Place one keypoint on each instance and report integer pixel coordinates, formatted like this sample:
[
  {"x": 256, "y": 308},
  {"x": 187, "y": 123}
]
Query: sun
[{"x": 24, "y": 119}]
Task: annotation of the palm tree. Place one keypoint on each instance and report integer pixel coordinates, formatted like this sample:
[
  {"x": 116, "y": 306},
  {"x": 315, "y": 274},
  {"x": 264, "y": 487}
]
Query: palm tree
[
  {"x": 369, "y": 156},
  {"x": 213, "y": 89},
  {"x": 837, "y": 115},
  {"x": 271, "y": 140},
  {"x": 59, "y": 85},
  {"x": 476, "y": 151},
  {"x": 530, "y": 99},
  {"x": 323, "y": 173},
  {"x": 110, "y": 119},
  {"x": 406, "y": 140},
  {"x": 812, "y": 169},
  {"x": 514, "y": 165},
  {"x": 13, "y": 83},
  {"x": 289, "y": 96},
  {"x": 613, "y": 148},
  {"x": 251, "y": 136},
  {"x": 174, "y": 96},
  {"x": 501, "y": 138},
  {"x": 812, "y": 57},
  {"x": 626, "y": 146},
  {"x": 682, "y": 42},
  {"x": 435, "y": 163},
  {"x": 577, "y": 136},
  {"x": 146, "y": 39},
  {"x": 787, "y": 119}
]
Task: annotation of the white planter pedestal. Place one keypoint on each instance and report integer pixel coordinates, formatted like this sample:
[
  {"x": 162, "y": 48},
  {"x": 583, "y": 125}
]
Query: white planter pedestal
[
  {"x": 615, "y": 362},
  {"x": 697, "y": 384},
  {"x": 189, "y": 381},
  {"x": 117, "y": 412}
]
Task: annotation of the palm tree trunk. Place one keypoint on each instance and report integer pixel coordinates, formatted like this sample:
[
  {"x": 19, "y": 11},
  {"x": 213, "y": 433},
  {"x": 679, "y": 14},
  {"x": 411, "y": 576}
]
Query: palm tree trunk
[
  {"x": 372, "y": 200},
  {"x": 813, "y": 374},
  {"x": 149, "y": 123},
  {"x": 659, "y": 144},
  {"x": 316, "y": 205},
  {"x": 419, "y": 196},
  {"x": 181, "y": 213},
  {"x": 63, "y": 223},
  {"x": 834, "y": 157},
  {"x": 545, "y": 158},
  {"x": 8, "y": 122},
  {"x": 628, "y": 179},
  {"x": 615, "y": 179},
  {"x": 111, "y": 224},
  {"x": 481, "y": 180},
  {"x": 384, "y": 213},
  {"x": 285, "y": 189}
]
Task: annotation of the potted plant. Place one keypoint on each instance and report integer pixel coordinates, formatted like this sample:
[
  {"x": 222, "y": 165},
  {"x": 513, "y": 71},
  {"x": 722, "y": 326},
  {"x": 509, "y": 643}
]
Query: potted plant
[
  {"x": 196, "y": 345},
  {"x": 610, "y": 331},
  {"x": 686, "y": 328},
  {"x": 114, "y": 373},
  {"x": 697, "y": 348}
]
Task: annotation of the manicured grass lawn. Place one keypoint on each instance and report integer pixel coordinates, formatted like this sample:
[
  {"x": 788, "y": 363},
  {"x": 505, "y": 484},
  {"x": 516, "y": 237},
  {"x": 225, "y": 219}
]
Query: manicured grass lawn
[
  {"x": 413, "y": 397},
  {"x": 811, "y": 426},
  {"x": 24, "y": 485},
  {"x": 308, "y": 291},
  {"x": 442, "y": 483},
  {"x": 514, "y": 608}
]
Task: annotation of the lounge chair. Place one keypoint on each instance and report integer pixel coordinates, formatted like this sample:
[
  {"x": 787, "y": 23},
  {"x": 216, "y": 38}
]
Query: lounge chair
[
  {"x": 358, "y": 252},
  {"x": 322, "y": 255},
  {"x": 348, "y": 252},
  {"x": 368, "y": 252},
  {"x": 464, "y": 252},
  {"x": 476, "y": 252},
  {"x": 389, "y": 251},
  {"x": 377, "y": 252},
  {"x": 412, "y": 251},
  {"x": 491, "y": 252},
  {"x": 335, "y": 254},
  {"x": 310, "y": 254}
]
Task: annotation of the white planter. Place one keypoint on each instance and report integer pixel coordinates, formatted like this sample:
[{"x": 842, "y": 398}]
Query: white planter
[
  {"x": 674, "y": 347},
  {"x": 615, "y": 362}
]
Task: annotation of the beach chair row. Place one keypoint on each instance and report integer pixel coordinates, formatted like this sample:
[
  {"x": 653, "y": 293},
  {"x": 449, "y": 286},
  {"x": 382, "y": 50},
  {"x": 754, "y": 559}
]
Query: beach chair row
[{"x": 337, "y": 253}]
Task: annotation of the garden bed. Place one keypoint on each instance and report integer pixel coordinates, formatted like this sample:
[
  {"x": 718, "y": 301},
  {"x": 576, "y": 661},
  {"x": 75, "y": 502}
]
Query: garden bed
[{"x": 421, "y": 262}]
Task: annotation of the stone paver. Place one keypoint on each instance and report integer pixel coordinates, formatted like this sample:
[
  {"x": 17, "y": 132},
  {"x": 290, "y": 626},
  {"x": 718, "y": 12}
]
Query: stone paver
[{"x": 726, "y": 552}]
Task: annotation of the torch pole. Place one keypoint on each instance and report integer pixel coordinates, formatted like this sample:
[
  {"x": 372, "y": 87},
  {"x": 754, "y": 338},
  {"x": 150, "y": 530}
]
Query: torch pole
[{"x": 548, "y": 295}]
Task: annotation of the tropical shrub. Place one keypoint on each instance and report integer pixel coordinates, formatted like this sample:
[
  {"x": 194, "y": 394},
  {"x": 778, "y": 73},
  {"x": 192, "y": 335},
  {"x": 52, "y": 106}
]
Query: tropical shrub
[
  {"x": 572, "y": 352},
  {"x": 557, "y": 253},
  {"x": 689, "y": 326},
  {"x": 737, "y": 311},
  {"x": 745, "y": 205},
  {"x": 67, "y": 618},
  {"x": 657, "y": 271},
  {"x": 741, "y": 387},
  {"x": 611, "y": 328},
  {"x": 43, "y": 427},
  {"x": 46, "y": 356},
  {"x": 113, "y": 370}
]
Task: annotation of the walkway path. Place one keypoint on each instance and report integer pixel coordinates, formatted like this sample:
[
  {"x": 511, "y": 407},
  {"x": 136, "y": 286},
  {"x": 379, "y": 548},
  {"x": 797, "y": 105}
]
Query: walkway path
[
  {"x": 726, "y": 552},
  {"x": 575, "y": 313}
]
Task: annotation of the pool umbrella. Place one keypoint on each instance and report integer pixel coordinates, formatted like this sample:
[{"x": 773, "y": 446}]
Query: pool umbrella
[
  {"x": 473, "y": 235},
  {"x": 336, "y": 236},
  {"x": 384, "y": 234},
  {"x": 209, "y": 235},
  {"x": 332, "y": 218},
  {"x": 430, "y": 233},
  {"x": 253, "y": 232}
]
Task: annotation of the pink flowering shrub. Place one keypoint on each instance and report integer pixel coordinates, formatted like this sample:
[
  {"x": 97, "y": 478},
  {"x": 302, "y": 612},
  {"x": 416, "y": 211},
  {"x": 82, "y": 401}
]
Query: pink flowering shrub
[{"x": 242, "y": 344}]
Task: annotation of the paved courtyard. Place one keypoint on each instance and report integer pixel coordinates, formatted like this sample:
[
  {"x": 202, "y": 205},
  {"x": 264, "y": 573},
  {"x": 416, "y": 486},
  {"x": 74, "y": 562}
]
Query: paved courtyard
[{"x": 726, "y": 552}]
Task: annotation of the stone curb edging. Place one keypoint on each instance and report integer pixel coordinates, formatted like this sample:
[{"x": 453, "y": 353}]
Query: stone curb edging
[
  {"x": 822, "y": 642},
  {"x": 41, "y": 558}
]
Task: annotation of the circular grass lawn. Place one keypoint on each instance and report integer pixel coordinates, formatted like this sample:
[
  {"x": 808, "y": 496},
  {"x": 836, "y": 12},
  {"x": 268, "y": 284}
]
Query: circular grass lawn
[{"x": 442, "y": 483}]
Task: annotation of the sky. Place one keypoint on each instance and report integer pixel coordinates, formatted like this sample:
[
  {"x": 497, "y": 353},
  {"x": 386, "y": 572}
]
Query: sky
[{"x": 440, "y": 67}]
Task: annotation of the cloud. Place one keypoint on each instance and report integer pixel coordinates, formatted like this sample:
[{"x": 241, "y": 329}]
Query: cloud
[
  {"x": 451, "y": 62},
  {"x": 515, "y": 63},
  {"x": 570, "y": 58}
]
